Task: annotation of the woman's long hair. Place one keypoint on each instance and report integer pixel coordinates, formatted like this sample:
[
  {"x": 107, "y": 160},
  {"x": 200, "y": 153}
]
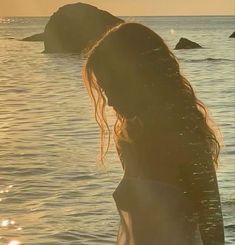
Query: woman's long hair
[{"x": 174, "y": 106}]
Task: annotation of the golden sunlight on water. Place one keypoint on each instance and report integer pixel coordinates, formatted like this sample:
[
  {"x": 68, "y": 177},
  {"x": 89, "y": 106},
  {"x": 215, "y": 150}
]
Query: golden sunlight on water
[
  {"x": 14, "y": 242},
  {"x": 6, "y": 20},
  {"x": 51, "y": 191}
]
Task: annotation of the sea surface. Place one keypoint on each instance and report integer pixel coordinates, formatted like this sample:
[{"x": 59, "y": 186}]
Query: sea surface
[{"x": 51, "y": 190}]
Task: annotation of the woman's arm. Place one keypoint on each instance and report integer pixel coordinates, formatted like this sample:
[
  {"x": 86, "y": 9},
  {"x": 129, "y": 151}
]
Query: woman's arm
[{"x": 202, "y": 188}]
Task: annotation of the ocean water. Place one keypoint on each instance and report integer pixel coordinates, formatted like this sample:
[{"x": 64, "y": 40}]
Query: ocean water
[{"x": 51, "y": 191}]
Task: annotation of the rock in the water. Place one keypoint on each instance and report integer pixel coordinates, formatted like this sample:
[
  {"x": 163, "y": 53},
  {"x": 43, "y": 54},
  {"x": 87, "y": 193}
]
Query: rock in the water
[
  {"x": 35, "y": 38},
  {"x": 185, "y": 43},
  {"x": 232, "y": 35},
  {"x": 74, "y": 27}
]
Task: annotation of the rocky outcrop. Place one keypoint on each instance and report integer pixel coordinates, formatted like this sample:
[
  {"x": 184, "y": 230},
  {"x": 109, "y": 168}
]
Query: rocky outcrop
[
  {"x": 232, "y": 35},
  {"x": 74, "y": 27},
  {"x": 34, "y": 38},
  {"x": 185, "y": 43}
]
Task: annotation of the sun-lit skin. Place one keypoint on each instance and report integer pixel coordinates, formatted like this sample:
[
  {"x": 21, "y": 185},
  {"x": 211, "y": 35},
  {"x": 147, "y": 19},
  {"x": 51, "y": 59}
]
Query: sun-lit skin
[{"x": 122, "y": 7}]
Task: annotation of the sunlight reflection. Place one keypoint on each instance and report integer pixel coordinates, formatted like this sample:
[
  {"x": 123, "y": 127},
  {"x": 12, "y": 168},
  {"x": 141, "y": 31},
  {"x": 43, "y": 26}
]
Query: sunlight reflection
[
  {"x": 5, "y": 223},
  {"x": 6, "y": 190},
  {"x": 172, "y": 31},
  {"x": 5, "y": 20},
  {"x": 14, "y": 242}
]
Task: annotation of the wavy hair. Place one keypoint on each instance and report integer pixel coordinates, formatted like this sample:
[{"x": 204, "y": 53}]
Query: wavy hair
[{"x": 136, "y": 50}]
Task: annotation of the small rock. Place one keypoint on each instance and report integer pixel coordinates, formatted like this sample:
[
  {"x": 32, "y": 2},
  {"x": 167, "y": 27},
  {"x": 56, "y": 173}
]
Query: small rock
[
  {"x": 232, "y": 35},
  {"x": 34, "y": 38},
  {"x": 185, "y": 43}
]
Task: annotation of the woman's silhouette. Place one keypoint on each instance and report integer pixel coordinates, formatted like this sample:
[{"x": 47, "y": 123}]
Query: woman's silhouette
[{"x": 165, "y": 141}]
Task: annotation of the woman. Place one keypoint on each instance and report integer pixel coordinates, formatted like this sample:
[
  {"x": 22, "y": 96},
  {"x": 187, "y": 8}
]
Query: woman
[{"x": 167, "y": 147}]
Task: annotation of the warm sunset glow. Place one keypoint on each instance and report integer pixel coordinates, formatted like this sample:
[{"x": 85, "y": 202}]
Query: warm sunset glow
[{"x": 122, "y": 7}]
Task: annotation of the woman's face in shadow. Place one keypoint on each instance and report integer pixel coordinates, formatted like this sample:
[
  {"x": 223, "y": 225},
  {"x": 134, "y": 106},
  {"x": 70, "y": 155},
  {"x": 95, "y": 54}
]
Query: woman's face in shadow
[{"x": 122, "y": 93}]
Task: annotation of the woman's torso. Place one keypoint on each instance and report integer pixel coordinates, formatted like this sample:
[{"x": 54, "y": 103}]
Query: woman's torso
[
  {"x": 154, "y": 212},
  {"x": 150, "y": 198}
]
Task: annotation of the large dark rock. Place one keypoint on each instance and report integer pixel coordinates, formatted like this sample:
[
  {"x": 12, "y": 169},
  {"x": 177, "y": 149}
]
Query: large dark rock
[
  {"x": 232, "y": 35},
  {"x": 185, "y": 43},
  {"x": 34, "y": 38},
  {"x": 74, "y": 27}
]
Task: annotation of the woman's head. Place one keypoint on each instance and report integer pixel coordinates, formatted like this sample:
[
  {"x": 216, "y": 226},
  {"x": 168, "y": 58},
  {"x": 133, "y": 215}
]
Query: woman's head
[
  {"x": 132, "y": 66},
  {"x": 132, "y": 70}
]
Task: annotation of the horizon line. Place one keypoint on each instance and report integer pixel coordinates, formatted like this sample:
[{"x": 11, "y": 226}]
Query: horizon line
[{"x": 212, "y": 15}]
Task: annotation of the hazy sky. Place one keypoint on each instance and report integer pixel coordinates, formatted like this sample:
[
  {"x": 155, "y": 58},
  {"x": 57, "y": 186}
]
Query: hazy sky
[{"x": 122, "y": 7}]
